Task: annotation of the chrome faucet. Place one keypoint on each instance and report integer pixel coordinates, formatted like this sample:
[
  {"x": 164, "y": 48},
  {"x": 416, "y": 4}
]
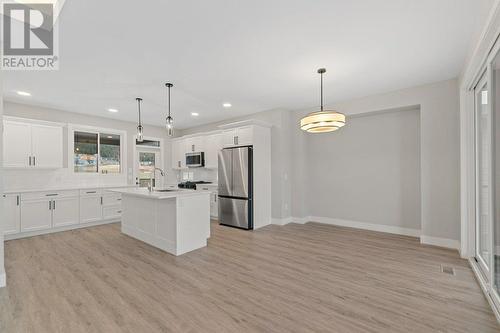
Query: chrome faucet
[{"x": 152, "y": 176}]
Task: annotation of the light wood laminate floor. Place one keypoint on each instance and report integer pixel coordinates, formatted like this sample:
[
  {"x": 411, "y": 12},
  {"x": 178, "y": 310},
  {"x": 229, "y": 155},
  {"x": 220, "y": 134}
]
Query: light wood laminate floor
[{"x": 293, "y": 278}]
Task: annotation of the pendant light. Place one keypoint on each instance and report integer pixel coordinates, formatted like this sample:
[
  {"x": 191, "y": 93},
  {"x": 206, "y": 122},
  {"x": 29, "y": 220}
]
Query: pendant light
[
  {"x": 322, "y": 121},
  {"x": 140, "y": 129},
  {"x": 169, "y": 121}
]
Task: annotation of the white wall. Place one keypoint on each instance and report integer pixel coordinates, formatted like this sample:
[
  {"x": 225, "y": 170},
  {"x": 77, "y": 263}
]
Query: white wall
[
  {"x": 369, "y": 171},
  {"x": 21, "y": 179}
]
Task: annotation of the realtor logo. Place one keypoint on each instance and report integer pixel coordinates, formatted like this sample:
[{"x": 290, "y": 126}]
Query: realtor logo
[{"x": 29, "y": 36}]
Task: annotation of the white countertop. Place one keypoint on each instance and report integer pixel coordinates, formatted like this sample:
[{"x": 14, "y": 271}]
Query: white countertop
[
  {"x": 65, "y": 188},
  {"x": 210, "y": 185},
  {"x": 143, "y": 192}
]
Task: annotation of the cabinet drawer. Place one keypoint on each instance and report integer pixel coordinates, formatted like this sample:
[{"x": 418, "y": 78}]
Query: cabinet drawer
[
  {"x": 112, "y": 199},
  {"x": 49, "y": 195},
  {"x": 111, "y": 212},
  {"x": 90, "y": 192}
]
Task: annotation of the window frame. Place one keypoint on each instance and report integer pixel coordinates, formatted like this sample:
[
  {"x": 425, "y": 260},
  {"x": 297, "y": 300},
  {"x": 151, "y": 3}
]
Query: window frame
[{"x": 72, "y": 128}]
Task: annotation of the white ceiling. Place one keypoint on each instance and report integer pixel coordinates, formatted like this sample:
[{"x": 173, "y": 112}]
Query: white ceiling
[{"x": 256, "y": 54}]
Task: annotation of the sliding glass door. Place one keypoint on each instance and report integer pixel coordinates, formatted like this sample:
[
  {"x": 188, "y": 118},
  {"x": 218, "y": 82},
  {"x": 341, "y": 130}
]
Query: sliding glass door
[
  {"x": 487, "y": 156},
  {"x": 495, "y": 120},
  {"x": 483, "y": 175}
]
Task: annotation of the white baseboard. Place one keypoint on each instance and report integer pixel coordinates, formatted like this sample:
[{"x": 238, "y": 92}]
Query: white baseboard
[
  {"x": 289, "y": 219},
  {"x": 442, "y": 242},
  {"x": 58, "y": 229},
  {"x": 300, "y": 220},
  {"x": 281, "y": 221},
  {"x": 3, "y": 278},
  {"x": 366, "y": 226},
  {"x": 429, "y": 240}
]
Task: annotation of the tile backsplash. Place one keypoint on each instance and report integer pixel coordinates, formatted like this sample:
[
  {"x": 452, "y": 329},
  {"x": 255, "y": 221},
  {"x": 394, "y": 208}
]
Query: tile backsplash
[{"x": 209, "y": 175}]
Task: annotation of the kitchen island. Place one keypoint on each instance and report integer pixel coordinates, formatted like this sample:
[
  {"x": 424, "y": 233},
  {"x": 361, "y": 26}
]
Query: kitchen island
[{"x": 175, "y": 221}]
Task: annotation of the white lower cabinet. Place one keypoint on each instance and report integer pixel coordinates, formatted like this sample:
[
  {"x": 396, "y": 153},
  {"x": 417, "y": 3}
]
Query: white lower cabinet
[
  {"x": 214, "y": 205},
  {"x": 45, "y": 210},
  {"x": 36, "y": 214},
  {"x": 90, "y": 206},
  {"x": 112, "y": 205},
  {"x": 214, "y": 202},
  {"x": 65, "y": 211},
  {"x": 12, "y": 213}
]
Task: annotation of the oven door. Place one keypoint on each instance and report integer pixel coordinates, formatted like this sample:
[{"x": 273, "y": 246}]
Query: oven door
[{"x": 194, "y": 160}]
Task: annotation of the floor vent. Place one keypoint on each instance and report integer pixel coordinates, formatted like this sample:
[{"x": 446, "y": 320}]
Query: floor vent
[{"x": 447, "y": 270}]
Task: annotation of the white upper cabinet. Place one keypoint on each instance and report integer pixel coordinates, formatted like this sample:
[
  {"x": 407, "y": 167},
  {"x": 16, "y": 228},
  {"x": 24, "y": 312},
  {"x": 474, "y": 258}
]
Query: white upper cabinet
[
  {"x": 213, "y": 146},
  {"x": 244, "y": 136},
  {"x": 30, "y": 145},
  {"x": 241, "y": 136},
  {"x": 211, "y": 143},
  {"x": 196, "y": 144},
  {"x": 46, "y": 143},
  {"x": 16, "y": 144},
  {"x": 178, "y": 154},
  {"x": 228, "y": 137}
]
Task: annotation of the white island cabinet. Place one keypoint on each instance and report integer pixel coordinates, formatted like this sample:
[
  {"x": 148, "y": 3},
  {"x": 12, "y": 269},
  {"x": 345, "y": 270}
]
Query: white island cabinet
[{"x": 175, "y": 221}]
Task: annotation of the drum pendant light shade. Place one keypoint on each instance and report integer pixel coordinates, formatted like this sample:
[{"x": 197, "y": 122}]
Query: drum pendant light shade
[{"x": 324, "y": 120}]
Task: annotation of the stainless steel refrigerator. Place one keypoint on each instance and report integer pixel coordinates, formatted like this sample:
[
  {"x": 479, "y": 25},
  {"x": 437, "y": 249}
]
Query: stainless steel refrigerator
[{"x": 236, "y": 187}]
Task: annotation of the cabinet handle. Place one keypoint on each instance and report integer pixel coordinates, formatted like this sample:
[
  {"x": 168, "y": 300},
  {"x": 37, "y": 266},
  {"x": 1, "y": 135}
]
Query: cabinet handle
[
  {"x": 179, "y": 163},
  {"x": 29, "y": 160},
  {"x": 119, "y": 211},
  {"x": 17, "y": 200},
  {"x": 50, "y": 205},
  {"x": 192, "y": 148},
  {"x": 34, "y": 160},
  {"x": 101, "y": 201},
  {"x": 51, "y": 195},
  {"x": 53, "y": 204},
  {"x": 119, "y": 199},
  {"x": 89, "y": 192}
]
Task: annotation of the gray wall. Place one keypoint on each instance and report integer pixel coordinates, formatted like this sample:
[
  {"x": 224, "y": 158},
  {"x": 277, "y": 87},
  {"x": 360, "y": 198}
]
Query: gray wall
[
  {"x": 439, "y": 149},
  {"x": 369, "y": 171}
]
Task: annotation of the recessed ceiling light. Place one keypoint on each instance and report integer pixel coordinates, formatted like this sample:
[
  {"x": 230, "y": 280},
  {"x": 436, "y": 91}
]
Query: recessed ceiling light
[
  {"x": 227, "y": 105},
  {"x": 23, "y": 93},
  {"x": 112, "y": 110},
  {"x": 195, "y": 114}
]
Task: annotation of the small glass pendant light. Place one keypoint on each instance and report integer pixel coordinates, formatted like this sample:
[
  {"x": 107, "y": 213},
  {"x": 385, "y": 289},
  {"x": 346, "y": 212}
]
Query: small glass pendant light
[
  {"x": 169, "y": 121},
  {"x": 140, "y": 129},
  {"x": 323, "y": 120}
]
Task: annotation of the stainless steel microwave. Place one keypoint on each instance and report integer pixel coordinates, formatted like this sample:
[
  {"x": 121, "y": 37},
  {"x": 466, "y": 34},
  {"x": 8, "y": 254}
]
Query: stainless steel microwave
[{"x": 195, "y": 160}]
